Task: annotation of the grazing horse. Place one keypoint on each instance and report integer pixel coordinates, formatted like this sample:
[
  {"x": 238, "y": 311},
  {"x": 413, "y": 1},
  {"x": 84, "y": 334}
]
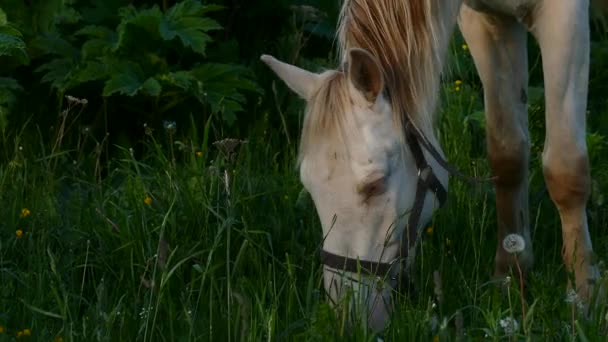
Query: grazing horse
[{"x": 371, "y": 161}]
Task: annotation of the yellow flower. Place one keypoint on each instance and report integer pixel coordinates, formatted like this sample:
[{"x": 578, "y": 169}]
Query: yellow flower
[
  {"x": 27, "y": 332},
  {"x": 19, "y": 333},
  {"x": 148, "y": 200},
  {"x": 429, "y": 230},
  {"x": 25, "y": 212},
  {"x": 58, "y": 339},
  {"x": 457, "y": 89},
  {"x": 457, "y": 82},
  {"x": 465, "y": 47},
  {"x": 19, "y": 233},
  {"x": 1, "y": 329},
  {"x": 436, "y": 338},
  {"x": 199, "y": 154}
]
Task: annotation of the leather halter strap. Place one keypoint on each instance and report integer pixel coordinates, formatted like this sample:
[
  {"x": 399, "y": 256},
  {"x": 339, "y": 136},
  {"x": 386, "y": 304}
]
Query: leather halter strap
[{"x": 427, "y": 180}]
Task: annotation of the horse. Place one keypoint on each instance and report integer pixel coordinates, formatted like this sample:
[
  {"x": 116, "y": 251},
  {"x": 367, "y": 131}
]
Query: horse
[{"x": 371, "y": 161}]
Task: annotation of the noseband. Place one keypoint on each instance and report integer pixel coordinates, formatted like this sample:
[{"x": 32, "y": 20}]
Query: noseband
[{"x": 427, "y": 181}]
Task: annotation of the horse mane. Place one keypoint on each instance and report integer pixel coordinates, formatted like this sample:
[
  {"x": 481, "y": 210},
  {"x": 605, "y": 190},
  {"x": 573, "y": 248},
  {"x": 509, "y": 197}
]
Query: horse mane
[
  {"x": 326, "y": 118},
  {"x": 409, "y": 38}
]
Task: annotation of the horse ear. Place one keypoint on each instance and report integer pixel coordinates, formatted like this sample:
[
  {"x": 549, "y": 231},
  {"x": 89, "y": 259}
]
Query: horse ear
[
  {"x": 365, "y": 74},
  {"x": 302, "y": 82}
]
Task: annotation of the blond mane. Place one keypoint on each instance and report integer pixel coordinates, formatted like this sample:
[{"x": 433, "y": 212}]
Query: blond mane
[
  {"x": 409, "y": 38},
  {"x": 326, "y": 118}
]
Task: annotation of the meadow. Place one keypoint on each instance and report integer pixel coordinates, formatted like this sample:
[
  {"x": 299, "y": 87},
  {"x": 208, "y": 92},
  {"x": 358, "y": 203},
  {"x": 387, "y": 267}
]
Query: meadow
[{"x": 198, "y": 229}]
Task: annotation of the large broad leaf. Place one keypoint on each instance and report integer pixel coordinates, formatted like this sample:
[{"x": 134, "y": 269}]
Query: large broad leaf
[
  {"x": 128, "y": 78},
  {"x": 11, "y": 44},
  {"x": 147, "y": 19},
  {"x": 185, "y": 21},
  {"x": 101, "y": 41},
  {"x": 57, "y": 72},
  {"x": 8, "y": 86},
  {"x": 89, "y": 71},
  {"x": 54, "y": 44},
  {"x": 181, "y": 79},
  {"x": 221, "y": 86}
]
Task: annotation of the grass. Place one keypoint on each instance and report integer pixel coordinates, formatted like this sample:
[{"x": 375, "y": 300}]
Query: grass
[{"x": 160, "y": 247}]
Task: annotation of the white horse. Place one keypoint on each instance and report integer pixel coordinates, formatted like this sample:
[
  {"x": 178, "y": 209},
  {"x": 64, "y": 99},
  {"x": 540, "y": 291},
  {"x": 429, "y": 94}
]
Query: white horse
[{"x": 369, "y": 156}]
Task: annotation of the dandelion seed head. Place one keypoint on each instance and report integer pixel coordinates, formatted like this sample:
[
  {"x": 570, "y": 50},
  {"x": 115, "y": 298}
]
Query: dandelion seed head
[
  {"x": 509, "y": 325},
  {"x": 513, "y": 243},
  {"x": 170, "y": 126}
]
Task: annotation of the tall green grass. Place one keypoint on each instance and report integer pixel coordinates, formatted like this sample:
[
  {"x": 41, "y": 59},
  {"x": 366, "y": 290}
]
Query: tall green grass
[{"x": 191, "y": 242}]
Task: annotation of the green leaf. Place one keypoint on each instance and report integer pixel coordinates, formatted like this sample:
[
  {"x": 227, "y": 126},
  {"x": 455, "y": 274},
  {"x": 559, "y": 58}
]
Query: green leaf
[
  {"x": 91, "y": 71},
  {"x": 54, "y": 44},
  {"x": 152, "y": 87},
  {"x": 126, "y": 79},
  {"x": 58, "y": 72},
  {"x": 181, "y": 79},
  {"x": 184, "y": 20},
  {"x": 220, "y": 86},
  {"x": 147, "y": 19},
  {"x": 95, "y": 31},
  {"x": 67, "y": 15},
  {"x": 11, "y": 44},
  {"x": 9, "y": 83},
  {"x": 8, "y": 86},
  {"x": 228, "y": 76}
]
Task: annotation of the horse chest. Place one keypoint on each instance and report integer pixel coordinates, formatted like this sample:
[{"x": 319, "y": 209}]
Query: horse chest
[{"x": 519, "y": 9}]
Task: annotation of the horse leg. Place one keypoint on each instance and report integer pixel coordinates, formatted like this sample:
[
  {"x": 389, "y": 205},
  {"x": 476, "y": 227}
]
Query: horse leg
[
  {"x": 498, "y": 47},
  {"x": 562, "y": 31}
]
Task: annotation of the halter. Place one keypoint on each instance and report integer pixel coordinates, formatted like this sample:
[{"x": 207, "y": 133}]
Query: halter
[{"x": 427, "y": 180}]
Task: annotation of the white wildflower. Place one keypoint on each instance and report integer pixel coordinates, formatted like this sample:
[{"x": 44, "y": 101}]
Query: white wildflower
[
  {"x": 170, "y": 126},
  {"x": 145, "y": 312},
  {"x": 513, "y": 243},
  {"x": 573, "y": 299},
  {"x": 509, "y": 325}
]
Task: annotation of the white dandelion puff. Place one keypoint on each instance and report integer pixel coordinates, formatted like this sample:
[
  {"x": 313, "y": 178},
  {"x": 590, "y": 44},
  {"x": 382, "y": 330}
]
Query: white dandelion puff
[
  {"x": 509, "y": 325},
  {"x": 170, "y": 126},
  {"x": 513, "y": 243},
  {"x": 572, "y": 298}
]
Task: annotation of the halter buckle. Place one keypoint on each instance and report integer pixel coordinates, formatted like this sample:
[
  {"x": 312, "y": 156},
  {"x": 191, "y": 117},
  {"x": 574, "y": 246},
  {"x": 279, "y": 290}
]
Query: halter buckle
[{"x": 425, "y": 172}]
